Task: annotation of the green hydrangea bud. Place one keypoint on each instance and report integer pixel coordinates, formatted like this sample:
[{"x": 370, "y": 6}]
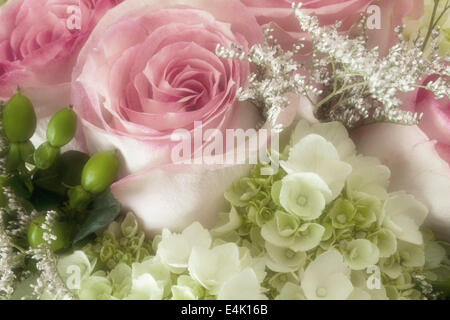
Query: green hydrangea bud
[
  {"x": 342, "y": 213},
  {"x": 386, "y": 242}
]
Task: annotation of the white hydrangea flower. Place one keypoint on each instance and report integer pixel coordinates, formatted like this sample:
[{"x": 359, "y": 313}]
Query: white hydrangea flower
[
  {"x": 95, "y": 287},
  {"x": 334, "y": 132},
  {"x": 157, "y": 270},
  {"x": 304, "y": 194},
  {"x": 183, "y": 293},
  {"x": 77, "y": 264},
  {"x": 213, "y": 267},
  {"x": 361, "y": 254},
  {"x": 242, "y": 286},
  {"x": 187, "y": 289},
  {"x": 175, "y": 249},
  {"x": 404, "y": 215},
  {"x": 316, "y": 155},
  {"x": 285, "y": 231},
  {"x": 412, "y": 256},
  {"x": 291, "y": 291},
  {"x": 281, "y": 259},
  {"x": 365, "y": 289},
  {"x": 327, "y": 278},
  {"x": 145, "y": 287},
  {"x": 368, "y": 176},
  {"x": 229, "y": 221}
]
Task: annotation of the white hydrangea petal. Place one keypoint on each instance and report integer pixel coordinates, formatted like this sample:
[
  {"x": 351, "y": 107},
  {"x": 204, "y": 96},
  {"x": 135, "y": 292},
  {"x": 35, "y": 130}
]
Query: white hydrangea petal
[
  {"x": 334, "y": 132},
  {"x": 77, "y": 262},
  {"x": 242, "y": 286},
  {"x": 95, "y": 288},
  {"x": 359, "y": 294},
  {"x": 182, "y": 293},
  {"x": 434, "y": 254},
  {"x": 404, "y": 215},
  {"x": 145, "y": 287},
  {"x": 327, "y": 277},
  {"x": 315, "y": 154},
  {"x": 304, "y": 194},
  {"x": 412, "y": 255},
  {"x": 284, "y": 259},
  {"x": 291, "y": 291},
  {"x": 175, "y": 249},
  {"x": 361, "y": 254},
  {"x": 386, "y": 242},
  {"x": 308, "y": 237},
  {"x": 212, "y": 267},
  {"x": 269, "y": 232},
  {"x": 369, "y": 176},
  {"x": 231, "y": 221}
]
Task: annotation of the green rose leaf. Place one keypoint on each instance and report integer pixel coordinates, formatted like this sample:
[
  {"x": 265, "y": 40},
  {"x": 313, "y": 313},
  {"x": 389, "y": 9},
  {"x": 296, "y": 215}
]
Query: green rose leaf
[{"x": 103, "y": 210}]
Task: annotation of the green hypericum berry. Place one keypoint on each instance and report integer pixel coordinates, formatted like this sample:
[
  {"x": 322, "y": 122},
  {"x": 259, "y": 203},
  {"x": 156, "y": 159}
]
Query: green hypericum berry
[
  {"x": 19, "y": 119},
  {"x": 14, "y": 159},
  {"x": 99, "y": 172},
  {"x": 79, "y": 198},
  {"x": 62, "y": 230},
  {"x": 61, "y": 128},
  {"x": 45, "y": 155}
]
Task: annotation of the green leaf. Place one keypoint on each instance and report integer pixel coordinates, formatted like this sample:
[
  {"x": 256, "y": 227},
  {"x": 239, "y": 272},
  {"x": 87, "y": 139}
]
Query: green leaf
[
  {"x": 50, "y": 179},
  {"x": 72, "y": 166},
  {"x": 103, "y": 210},
  {"x": 43, "y": 200},
  {"x": 19, "y": 186}
]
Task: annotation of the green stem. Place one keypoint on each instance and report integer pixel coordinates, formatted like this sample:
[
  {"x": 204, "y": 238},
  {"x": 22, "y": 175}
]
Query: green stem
[
  {"x": 446, "y": 7},
  {"x": 342, "y": 90},
  {"x": 430, "y": 27}
]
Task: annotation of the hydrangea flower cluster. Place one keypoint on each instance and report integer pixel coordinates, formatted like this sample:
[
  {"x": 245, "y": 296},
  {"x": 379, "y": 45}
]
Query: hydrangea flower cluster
[{"x": 323, "y": 227}]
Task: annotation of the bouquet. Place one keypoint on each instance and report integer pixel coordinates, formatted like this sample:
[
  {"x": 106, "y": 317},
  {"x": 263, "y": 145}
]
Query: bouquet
[{"x": 230, "y": 149}]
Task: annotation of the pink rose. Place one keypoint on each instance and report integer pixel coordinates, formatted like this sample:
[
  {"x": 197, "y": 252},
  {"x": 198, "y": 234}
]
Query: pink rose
[
  {"x": 328, "y": 12},
  {"x": 39, "y": 43},
  {"x": 148, "y": 69},
  {"x": 279, "y": 15},
  {"x": 392, "y": 14},
  {"x": 418, "y": 156},
  {"x": 436, "y": 118}
]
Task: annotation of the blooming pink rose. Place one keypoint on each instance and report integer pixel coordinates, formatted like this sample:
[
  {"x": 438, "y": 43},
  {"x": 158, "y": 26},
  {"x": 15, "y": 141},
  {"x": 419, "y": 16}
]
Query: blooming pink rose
[
  {"x": 149, "y": 69},
  {"x": 39, "y": 43},
  {"x": 391, "y": 14},
  {"x": 418, "y": 156},
  {"x": 328, "y": 12},
  {"x": 436, "y": 118}
]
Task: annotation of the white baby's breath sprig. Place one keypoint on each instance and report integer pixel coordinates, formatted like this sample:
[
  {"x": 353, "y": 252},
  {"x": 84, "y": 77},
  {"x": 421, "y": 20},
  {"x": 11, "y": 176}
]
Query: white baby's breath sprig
[
  {"x": 10, "y": 260},
  {"x": 356, "y": 85},
  {"x": 276, "y": 75},
  {"x": 49, "y": 281}
]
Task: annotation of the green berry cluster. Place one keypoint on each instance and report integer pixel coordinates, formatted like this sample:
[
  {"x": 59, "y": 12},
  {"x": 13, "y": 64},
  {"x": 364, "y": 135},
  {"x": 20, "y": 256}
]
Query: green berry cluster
[{"x": 79, "y": 179}]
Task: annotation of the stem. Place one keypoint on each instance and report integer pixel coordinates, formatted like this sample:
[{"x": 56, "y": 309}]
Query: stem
[
  {"x": 446, "y": 7},
  {"x": 430, "y": 27},
  {"x": 342, "y": 90}
]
